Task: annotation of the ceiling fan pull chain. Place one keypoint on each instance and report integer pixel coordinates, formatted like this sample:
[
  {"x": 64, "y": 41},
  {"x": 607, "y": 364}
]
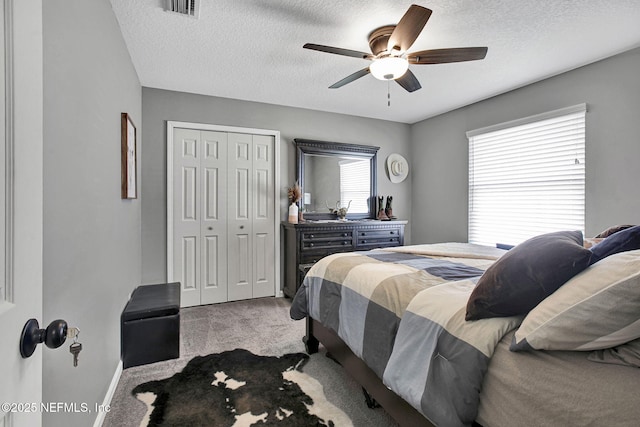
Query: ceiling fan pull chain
[{"x": 388, "y": 93}]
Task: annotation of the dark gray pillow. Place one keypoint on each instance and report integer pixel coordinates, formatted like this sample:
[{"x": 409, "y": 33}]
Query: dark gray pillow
[
  {"x": 621, "y": 241},
  {"x": 527, "y": 274},
  {"x": 611, "y": 230}
]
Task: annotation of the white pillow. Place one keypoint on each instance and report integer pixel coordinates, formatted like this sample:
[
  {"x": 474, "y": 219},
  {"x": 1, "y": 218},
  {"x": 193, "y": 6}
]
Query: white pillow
[{"x": 596, "y": 309}]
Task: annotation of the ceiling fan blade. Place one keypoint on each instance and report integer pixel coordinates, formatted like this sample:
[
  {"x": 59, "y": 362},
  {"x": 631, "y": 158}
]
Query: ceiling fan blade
[
  {"x": 409, "y": 81},
  {"x": 349, "y": 79},
  {"x": 409, "y": 28},
  {"x": 338, "y": 51},
  {"x": 441, "y": 56}
]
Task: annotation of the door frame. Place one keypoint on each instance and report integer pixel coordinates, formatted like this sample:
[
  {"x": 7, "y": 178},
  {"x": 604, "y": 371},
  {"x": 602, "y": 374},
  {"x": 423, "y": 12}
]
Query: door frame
[{"x": 171, "y": 125}]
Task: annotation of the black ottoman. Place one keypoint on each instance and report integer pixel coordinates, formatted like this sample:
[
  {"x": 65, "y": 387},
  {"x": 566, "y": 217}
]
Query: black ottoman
[{"x": 150, "y": 325}]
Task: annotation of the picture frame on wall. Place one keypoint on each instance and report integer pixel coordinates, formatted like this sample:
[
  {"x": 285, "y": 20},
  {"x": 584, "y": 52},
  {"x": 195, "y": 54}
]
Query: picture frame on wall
[{"x": 129, "y": 158}]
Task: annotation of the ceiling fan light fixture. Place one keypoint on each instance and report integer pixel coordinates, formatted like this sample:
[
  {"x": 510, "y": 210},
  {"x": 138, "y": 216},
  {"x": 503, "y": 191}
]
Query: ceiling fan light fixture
[{"x": 389, "y": 68}]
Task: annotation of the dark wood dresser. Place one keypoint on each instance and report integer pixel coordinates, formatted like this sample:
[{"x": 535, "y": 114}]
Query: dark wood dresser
[{"x": 308, "y": 242}]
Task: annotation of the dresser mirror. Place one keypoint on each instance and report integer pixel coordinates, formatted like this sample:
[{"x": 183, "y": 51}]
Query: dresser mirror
[{"x": 334, "y": 175}]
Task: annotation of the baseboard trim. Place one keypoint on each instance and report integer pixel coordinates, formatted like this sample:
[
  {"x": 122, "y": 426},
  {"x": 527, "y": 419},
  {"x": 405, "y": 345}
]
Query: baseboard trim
[{"x": 107, "y": 398}]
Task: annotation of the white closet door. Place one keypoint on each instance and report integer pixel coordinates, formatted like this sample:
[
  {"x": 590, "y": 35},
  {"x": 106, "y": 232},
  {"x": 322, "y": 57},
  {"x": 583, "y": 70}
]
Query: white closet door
[
  {"x": 263, "y": 220},
  {"x": 240, "y": 205},
  {"x": 186, "y": 214},
  {"x": 223, "y": 215},
  {"x": 213, "y": 168}
]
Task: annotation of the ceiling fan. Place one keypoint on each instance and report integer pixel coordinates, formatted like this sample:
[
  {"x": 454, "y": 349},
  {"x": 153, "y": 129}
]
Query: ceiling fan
[{"x": 389, "y": 45}]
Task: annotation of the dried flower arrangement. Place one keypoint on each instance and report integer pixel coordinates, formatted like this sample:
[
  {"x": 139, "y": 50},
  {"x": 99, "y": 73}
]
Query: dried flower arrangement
[{"x": 294, "y": 193}]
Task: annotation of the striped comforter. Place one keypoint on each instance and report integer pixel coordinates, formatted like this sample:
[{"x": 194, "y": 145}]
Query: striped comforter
[{"x": 401, "y": 310}]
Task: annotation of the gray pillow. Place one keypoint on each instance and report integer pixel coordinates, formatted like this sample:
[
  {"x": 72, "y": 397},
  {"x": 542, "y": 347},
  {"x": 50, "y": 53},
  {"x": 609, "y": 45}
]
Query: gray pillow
[
  {"x": 527, "y": 274},
  {"x": 621, "y": 241},
  {"x": 597, "y": 309},
  {"x": 612, "y": 230}
]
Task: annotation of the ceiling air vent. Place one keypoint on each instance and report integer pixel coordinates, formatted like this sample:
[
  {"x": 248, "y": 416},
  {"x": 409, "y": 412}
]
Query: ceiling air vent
[{"x": 184, "y": 7}]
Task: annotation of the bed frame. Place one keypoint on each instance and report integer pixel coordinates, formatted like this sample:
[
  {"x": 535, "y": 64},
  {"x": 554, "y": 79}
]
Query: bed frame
[{"x": 395, "y": 406}]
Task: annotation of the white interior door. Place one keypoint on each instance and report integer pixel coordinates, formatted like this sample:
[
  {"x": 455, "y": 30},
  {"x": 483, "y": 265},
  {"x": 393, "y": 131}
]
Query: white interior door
[
  {"x": 240, "y": 205},
  {"x": 213, "y": 228},
  {"x": 186, "y": 214},
  {"x": 200, "y": 215},
  {"x": 20, "y": 205},
  {"x": 263, "y": 217}
]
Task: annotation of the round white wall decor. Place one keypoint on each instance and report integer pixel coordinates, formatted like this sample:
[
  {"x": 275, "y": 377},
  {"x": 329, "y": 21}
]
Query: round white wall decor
[{"x": 397, "y": 168}]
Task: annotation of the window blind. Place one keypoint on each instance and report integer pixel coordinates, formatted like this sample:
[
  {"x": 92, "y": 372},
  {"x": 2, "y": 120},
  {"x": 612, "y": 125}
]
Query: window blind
[
  {"x": 354, "y": 177},
  {"x": 526, "y": 177}
]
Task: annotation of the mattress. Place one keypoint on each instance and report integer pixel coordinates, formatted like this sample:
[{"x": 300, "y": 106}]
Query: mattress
[{"x": 557, "y": 388}]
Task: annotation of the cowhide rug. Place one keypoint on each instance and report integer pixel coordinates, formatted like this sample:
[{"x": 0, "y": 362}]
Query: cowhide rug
[{"x": 237, "y": 388}]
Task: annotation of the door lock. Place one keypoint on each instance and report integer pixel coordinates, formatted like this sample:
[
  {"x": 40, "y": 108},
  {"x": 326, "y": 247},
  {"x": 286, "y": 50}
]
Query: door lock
[{"x": 53, "y": 336}]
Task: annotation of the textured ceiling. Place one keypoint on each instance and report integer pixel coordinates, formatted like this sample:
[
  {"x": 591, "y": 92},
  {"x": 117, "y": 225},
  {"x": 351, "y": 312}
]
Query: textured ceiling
[{"x": 252, "y": 49}]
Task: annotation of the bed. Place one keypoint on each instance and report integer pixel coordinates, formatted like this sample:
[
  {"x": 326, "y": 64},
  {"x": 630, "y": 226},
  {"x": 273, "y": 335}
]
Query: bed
[{"x": 397, "y": 319}]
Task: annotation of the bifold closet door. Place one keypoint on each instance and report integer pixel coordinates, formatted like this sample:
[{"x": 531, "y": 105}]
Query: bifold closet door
[
  {"x": 263, "y": 217},
  {"x": 200, "y": 215},
  {"x": 223, "y": 216},
  {"x": 250, "y": 216},
  {"x": 213, "y": 224}
]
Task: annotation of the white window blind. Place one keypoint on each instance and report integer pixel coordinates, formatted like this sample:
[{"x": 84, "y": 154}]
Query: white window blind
[
  {"x": 526, "y": 177},
  {"x": 354, "y": 177}
]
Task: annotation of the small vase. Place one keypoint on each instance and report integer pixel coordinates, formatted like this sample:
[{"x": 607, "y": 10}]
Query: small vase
[{"x": 293, "y": 213}]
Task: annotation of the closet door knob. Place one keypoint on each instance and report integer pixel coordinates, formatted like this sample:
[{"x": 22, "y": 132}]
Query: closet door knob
[
  {"x": 241, "y": 227},
  {"x": 209, "y": 228}
]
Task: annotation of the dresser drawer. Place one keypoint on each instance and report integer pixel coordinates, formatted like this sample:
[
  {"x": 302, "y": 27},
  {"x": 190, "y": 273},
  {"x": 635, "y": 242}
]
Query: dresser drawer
[
  {"x": 340, "y": 240},
  {"x": 311, "y": 257},
  {"x": 378, "y": 234},
  {"x": 372, "y": 243},
  {"x": 323, "y": 235},
  {"x": 378, "y": 238},
  {"x": 327, "y": 244}
]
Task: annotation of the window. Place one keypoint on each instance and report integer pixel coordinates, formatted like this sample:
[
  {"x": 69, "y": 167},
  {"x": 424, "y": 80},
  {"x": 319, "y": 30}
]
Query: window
[
  {"x": 355, "y": 181},
  {"x": 526, "y": 177}
]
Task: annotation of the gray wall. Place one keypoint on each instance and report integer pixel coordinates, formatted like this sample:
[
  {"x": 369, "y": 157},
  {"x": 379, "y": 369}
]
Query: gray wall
[
  {"x": 610, "y": 88},
  {"x": 158, "y": 106},
  {"x": 92, "y": 250}
]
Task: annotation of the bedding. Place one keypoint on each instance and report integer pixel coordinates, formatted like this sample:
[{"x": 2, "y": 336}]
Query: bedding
[
  {"x": 621, "y": 241},
  {"x": 402, "y": 311},
  {"x": 597, "y": 309},
  {"x": 612, "y": 230},
  {"x": 557, "y": 388},
  {"x": 627, "y": 354},
  {"x": 527, "y": 274}
]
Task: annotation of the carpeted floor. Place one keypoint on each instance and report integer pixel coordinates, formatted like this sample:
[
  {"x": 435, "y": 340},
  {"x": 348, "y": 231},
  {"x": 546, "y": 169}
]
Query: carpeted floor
[{"x": 262, "y": 326}]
